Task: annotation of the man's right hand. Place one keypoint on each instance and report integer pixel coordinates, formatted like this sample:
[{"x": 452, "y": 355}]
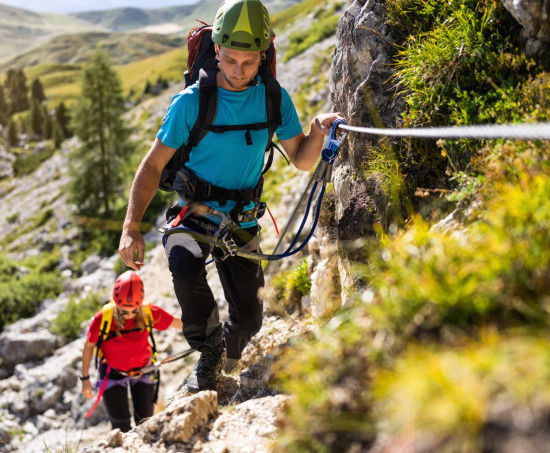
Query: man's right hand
[{"x": 131, "y": 241}]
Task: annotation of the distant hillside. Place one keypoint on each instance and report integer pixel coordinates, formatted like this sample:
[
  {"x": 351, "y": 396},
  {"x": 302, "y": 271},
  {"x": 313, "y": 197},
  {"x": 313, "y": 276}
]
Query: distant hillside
[
  {"x": 126, "y": 19},
  {"x": 21, "y": 29},
  {"x": 77, "y": 48}
]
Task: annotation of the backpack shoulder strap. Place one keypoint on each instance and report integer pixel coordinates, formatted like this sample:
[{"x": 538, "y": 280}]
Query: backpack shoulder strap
[
  {"x": 273, "y": 99},
  {"x": 104, "y": 328},
  {"x": 148, "y": 315},
  {"x": 208, "y": 103}
]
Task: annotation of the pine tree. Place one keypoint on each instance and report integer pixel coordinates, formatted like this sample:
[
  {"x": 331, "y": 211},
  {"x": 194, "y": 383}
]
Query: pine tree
[
  {"x": 16, "y": 88},
  {"x": 63, "y": 118},
  {"x": 37, "y": 120},
  {"x": 47, "y": 123},
  {"x": 96, "y": 174},
  {"x": 57, "y": 134},
  {"x": 37, "y": 92},
  {"x": 13, "y": 139},
  {"x": 3, "y": 108}
]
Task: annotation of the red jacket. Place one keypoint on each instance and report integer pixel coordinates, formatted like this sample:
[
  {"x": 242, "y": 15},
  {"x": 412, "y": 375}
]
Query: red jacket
[{"x": 130, "y": 350}]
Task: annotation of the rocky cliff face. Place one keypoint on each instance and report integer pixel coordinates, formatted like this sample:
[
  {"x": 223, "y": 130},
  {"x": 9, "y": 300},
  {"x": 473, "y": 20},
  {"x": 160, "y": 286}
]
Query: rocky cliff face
[{"x": 360, "y": 90}]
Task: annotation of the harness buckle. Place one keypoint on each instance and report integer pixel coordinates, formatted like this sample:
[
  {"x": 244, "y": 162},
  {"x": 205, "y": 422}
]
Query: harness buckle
[
  {"x": 230, "y": 244},
  {"x": 206, "y": 189},
  {"x": 260, "y": 209},
  {"x": 190, "y": 187}
]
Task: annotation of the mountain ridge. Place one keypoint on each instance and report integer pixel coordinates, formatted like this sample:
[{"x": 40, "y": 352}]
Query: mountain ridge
[
  {"x": 21, "y": 30},
  {"x": 76, "y": 48}
]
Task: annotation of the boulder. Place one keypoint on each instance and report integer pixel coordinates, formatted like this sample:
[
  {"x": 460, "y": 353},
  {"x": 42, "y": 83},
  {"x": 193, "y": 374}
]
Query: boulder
[
  {"x": 20, "y": 347},
  {"x": 534, "y": 16}
]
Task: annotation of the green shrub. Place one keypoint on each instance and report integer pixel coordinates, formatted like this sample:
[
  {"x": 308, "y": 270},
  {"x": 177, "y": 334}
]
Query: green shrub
[
  {"x": 8, "y": 268},
  {"x": 430, "y": 287},
  {"x": 21, "y": 297},
  {"x": 43, "y": 262},
  {"x": 298, "y": 279},
  {"x": 426, "y": 279},
  {"x": 381, "y": 168},
  {"x": 288, "y": 287},
  {"x": 460, "y": 63},
  {"x": 25, "y": 164},
  {"x": 13, "y": 217},
  {"x": 68, "y": 322}
]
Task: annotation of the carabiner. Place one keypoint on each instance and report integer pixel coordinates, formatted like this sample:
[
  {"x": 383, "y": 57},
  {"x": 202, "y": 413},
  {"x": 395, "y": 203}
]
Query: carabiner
[{"x": 331, "y": 149}]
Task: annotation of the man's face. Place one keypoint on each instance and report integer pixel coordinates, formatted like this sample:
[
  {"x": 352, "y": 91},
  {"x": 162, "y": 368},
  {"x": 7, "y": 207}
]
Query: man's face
[{"x": 237, "y": 67}]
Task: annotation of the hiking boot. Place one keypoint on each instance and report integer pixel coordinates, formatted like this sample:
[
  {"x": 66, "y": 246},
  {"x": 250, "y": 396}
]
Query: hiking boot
[{"x": 207, "y": 369}]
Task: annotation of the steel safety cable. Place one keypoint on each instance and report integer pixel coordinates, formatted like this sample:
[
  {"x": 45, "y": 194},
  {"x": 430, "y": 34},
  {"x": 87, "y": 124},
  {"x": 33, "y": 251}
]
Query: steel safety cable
[{"x": 529, "y": 131}]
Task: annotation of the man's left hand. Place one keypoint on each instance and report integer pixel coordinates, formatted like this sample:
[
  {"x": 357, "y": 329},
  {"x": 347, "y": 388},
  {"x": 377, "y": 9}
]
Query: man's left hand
[{"x": 324, "y": 121}]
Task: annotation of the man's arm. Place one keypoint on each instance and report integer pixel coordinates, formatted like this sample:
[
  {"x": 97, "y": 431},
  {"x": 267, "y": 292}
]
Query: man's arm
[
  {"x": 303, "y": 150},
  {"x": 143, "y": 190}
]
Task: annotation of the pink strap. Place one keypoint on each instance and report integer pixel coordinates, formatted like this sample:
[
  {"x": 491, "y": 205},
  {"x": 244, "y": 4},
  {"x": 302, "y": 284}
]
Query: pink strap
[
  {"x": 273, "y": 220},
  {"x": 101, "y": 390}
]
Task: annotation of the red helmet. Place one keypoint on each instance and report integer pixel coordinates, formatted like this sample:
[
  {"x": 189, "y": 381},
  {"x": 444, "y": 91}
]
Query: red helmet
[{"x": 128, "y": 291}]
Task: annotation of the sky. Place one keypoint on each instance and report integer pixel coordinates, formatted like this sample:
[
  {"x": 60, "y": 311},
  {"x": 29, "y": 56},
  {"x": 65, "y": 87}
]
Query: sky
[{"x": 73, "y": 6}]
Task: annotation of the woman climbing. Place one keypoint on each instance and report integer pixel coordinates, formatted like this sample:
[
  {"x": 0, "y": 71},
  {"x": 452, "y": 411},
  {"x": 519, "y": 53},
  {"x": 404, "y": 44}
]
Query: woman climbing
[{"x": 120, "y": 333}]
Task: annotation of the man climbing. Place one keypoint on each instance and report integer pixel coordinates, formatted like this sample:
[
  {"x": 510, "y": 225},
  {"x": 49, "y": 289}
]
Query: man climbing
[{"x": 228, "y": 165}]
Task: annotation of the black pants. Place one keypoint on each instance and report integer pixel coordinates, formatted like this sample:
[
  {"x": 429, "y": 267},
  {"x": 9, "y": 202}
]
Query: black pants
[
  {"x": 241, "y": 279},
  {"x": 116, "y": 403}
]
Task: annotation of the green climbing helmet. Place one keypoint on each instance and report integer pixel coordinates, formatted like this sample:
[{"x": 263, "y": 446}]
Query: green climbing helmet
[{"x": 242, "y": 25}]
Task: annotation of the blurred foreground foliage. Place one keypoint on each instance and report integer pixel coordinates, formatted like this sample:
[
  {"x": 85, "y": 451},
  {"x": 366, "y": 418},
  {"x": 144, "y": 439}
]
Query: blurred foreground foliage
[{"x": 447, "y": 339}]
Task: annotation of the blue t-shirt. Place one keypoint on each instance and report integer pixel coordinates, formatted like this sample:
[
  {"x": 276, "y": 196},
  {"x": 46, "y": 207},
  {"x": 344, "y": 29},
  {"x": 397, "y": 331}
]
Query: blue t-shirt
[{"x": 225, "y": 159}]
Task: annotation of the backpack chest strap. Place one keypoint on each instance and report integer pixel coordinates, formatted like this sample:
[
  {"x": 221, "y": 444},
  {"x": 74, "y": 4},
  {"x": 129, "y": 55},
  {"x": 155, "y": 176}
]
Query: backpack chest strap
[{"x": 197, "y": 189}]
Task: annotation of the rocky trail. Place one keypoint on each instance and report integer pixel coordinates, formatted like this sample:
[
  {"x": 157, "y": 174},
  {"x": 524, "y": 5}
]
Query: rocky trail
[{"x": 47, "y": 399}]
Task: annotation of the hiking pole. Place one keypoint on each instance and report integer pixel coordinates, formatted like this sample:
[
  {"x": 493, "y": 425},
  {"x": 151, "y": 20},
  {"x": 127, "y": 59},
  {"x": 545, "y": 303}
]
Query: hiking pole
[{"x": 168, "y": 359}]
